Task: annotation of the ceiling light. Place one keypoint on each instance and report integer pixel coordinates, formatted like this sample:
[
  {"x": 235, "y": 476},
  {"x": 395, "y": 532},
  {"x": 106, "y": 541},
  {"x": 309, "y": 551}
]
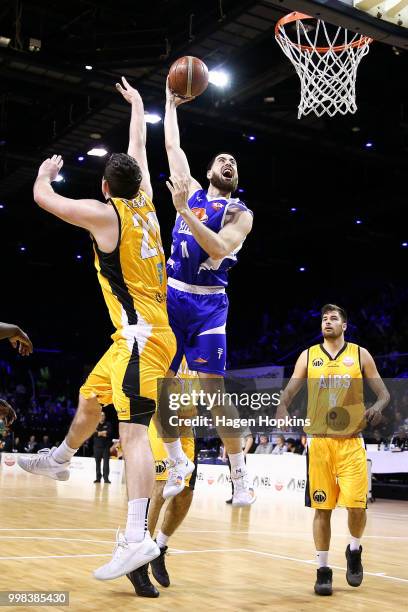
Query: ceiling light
[
  {"x": 219, "y": 78},
  {"x": 97, "y": 152},
  {"x": 152, "y": 118}
]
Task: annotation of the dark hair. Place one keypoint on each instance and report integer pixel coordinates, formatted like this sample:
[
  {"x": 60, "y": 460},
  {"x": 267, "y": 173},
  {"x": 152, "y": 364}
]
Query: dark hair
[
  {"x": 210, "y": 163},
  {"x": 331, "y": 307},
  {"x": 123, "y": 174}
]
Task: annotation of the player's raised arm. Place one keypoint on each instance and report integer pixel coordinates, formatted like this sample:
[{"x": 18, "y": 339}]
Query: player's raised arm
[
  {"x": 137, "y": 133},
  {"x": 178, "y": 161},
  {"x": 293, "y": 387},
  {"x": 88, "y": 214},
  {"x": 371, "y": 374}
]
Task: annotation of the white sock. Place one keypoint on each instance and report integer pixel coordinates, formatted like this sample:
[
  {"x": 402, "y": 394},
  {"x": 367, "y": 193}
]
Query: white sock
[
  {"x": 161, "y": 539},
  {"x": 322, "y": 558},
  {"x": 354, "y": 543},
  {"x": 174, "y": 450},
  {"x": 63, "y": 453},
  {"x": 237, "y": 461},
  {"x": 136, "y": 525}
]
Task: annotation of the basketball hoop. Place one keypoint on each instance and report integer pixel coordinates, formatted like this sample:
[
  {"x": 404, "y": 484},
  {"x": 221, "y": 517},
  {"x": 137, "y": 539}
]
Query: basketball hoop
[{"x": 327, "y": 73}]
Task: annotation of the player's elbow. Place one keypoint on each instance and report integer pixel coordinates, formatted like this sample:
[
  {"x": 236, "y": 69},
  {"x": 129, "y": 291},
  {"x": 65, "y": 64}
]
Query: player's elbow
[{"x": 219, "y": 251}]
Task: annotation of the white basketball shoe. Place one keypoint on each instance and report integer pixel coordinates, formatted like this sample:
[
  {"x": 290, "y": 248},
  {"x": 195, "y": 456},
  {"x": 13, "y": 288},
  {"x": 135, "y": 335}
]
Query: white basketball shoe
[
  {"x": 178, "y": 471},
  {"x": 244, "y": 495},
  {"x": 127, "y": 557},
  {"x": 44, "y": 464}
]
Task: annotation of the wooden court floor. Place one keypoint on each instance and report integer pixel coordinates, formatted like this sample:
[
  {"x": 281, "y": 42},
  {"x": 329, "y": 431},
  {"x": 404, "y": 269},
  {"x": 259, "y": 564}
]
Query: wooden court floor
[{"x": 52, "y": 535}]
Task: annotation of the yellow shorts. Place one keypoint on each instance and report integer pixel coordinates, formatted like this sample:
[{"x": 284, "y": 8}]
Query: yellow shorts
[
  {"x": 160, "y": 454},
  {"x": 127, "y": 374},
  {"x": 336, "y": 473}
]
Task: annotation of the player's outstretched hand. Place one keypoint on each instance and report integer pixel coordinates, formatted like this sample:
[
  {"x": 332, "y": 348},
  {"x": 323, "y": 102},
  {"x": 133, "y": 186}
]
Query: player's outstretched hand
[
  {"x": 7, "y": 413},
  {"x": 128, "y": 92},
  {"x": 174, "y": 98},
  {"x": 50, "y": 168},
  {"x": 21, "y": 342},
  {"x": 178, "y": 188}
]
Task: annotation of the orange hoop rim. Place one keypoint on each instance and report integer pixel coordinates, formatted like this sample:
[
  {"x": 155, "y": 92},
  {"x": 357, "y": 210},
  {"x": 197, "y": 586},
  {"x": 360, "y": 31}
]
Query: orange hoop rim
[{"x": 295, "y": 16}]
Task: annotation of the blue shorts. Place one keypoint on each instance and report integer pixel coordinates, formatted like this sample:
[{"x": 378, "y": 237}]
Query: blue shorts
[{"x": 198, "y": 322}]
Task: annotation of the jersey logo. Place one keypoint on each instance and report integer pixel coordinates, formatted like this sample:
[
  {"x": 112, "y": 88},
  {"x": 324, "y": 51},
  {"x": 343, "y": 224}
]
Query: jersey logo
[
  {"x": 217, "y": 206},
  {"x": 317, "y": 363},
  {"x": 200, "y": 213},
  {"x": 201, "y": 360},
  {"x": 348, "y": 361}
]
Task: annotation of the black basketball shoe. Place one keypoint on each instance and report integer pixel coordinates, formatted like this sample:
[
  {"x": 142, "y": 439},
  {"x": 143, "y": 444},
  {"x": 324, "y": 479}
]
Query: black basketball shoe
[
  {"x": 159, "y": 570},
  {"x": 323, "y": 584},
  {"x": 354, "y": 572},
  {"x": 141, "y": 582}
]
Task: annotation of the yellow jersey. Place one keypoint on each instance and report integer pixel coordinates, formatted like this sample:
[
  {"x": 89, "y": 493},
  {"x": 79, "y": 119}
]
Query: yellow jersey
[
  {"x": 335, "y": 404},
  {"x": 133, "y": 276}
]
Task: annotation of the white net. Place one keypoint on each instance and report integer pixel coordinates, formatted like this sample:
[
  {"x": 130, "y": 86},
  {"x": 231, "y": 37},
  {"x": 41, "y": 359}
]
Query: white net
[{"x": 326, "y": 64}]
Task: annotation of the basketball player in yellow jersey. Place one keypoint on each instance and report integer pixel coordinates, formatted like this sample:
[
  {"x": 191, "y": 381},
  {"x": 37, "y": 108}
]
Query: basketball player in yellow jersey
[
  {"x": 179, "y": 505},
  {"x": 336, "y": 457},
  {"x": 130, "y": 264}
]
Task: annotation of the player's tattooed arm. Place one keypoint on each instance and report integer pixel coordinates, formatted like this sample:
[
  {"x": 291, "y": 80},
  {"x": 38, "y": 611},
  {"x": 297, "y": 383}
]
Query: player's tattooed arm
[
  {"x": 177, "y": 159},
  {"x": 216, "y": 245},
  {"x": 371, "y": 374},
  {"x": 92, "y": 215},
  {"x": 17, "y": 338},
  {"x": 137, "y": 132},
  {"x": 293, "y": 387}
]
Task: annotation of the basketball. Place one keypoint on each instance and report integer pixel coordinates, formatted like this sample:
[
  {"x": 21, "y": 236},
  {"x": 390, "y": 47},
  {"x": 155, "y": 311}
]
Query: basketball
[{"x": 188, "y": 77}]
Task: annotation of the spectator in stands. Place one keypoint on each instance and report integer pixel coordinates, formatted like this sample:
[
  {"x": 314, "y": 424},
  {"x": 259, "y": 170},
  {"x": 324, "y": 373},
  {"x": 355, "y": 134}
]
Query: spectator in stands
[
  {"x": 291, "y": 445},
  {"x": 303, "y": 444},
  {"x": 264, "y": 447},
  {"x": 280, "y": 447},
  {"x": 31, "y": 446},
  {"x": 17, "y": 446},
  {"x": 44, "y": 444}
]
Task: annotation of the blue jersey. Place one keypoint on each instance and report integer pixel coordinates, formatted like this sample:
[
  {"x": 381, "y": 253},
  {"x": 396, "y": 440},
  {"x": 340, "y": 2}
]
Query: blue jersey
[{"x": 188, "y": 262}]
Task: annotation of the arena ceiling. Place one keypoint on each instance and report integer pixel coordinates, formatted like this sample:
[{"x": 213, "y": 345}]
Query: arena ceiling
[{"x": 320, "y": 195}]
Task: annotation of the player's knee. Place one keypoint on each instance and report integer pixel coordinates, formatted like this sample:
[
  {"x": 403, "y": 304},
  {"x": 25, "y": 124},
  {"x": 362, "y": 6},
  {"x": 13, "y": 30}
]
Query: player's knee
[
  {"x": 322, "y": 514},
  {"x": 89, "y": 404},
  {"x": 357, "y": 512}
]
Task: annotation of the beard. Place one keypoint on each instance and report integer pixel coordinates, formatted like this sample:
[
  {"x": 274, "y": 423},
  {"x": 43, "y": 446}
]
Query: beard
[
  {"x": 219, "y": 182},
  {"x": 332, "y": 333}
]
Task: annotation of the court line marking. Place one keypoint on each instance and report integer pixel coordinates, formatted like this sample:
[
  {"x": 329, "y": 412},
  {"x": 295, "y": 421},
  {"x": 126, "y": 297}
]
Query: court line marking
[
  {"x": 209, "y": 550},
  {"x": 58, "y": 529},
  {"x": 377, "y": 574},
  {"x": 53, "y": 557},
  {"x": 286, "y": 558},
  {"x": 292, "y": 534},
  {"x": 231, "y": 533},
  {"x": 43, "y": 539}
]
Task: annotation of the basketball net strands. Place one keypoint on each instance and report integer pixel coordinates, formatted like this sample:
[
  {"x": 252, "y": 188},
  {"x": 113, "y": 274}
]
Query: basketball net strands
[{"x": 326, "y": 59}]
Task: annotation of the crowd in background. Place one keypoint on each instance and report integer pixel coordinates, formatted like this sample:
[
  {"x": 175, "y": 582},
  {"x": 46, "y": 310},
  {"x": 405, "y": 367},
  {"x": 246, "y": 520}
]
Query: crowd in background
[{"x": 45, "y": 396}]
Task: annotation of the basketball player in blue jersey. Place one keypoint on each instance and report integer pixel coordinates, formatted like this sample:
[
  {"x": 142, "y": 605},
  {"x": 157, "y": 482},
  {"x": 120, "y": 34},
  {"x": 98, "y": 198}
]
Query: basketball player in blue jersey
[{"x": 209, "y": 231}]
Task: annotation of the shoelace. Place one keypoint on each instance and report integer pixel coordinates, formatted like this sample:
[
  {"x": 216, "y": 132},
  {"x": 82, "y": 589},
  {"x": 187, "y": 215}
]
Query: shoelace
[
  {"x": 241, "y": 483},
  {"x": 34, "y": 461},
  {"x": 173, "y": 473},
  {"x": 121, "y": 544}
]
